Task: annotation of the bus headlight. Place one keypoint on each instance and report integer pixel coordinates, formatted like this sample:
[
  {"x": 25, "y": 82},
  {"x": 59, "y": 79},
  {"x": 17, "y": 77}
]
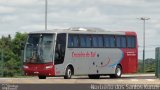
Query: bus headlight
[
  {"x": 48, "y": 67},
  {"x": 25, "y": 67}
]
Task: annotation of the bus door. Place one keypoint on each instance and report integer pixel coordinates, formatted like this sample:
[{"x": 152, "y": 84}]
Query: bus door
[{"x": 60, "y": 53}]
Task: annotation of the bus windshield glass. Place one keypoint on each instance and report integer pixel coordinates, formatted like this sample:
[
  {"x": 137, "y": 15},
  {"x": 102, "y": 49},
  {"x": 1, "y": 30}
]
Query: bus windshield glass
[{"x": 39, "y": 48}]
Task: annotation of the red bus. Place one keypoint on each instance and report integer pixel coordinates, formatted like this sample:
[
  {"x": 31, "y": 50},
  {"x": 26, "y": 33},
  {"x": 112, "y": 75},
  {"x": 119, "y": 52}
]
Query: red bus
[{"x": 80, "y": 51}]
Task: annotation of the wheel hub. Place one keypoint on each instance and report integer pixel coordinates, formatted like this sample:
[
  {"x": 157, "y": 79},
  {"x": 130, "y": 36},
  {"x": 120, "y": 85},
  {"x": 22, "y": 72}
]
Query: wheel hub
[
  {"x": 118, "y": 71},
  {"x": 69, "y": 72}
]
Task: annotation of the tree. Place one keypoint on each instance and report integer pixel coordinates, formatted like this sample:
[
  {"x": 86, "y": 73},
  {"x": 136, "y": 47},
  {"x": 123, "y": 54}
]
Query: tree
[
  {"x": 16, "y": 42},
  {"x": 12, "y": 54}
]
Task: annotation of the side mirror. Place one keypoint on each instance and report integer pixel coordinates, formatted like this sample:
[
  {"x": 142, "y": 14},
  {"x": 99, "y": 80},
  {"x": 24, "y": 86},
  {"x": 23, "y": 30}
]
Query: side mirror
[{"x": 22, "y": 45}]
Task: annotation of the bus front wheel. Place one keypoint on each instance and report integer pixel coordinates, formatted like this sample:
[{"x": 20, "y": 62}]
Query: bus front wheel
[
  {"x": 68, "y": 73},
  {"x": 118, "y": 72},
  {"x": 42, "y": 77}
]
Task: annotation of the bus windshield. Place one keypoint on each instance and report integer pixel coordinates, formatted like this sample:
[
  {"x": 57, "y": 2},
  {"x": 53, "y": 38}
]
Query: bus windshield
[{"x": 39, "y": 48}]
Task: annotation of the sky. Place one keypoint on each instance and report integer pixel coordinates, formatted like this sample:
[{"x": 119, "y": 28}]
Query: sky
[{"x": 111, "y": 15}]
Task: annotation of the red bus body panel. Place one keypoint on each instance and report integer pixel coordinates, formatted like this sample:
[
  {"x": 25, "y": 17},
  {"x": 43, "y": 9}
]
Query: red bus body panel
[{"x": 129, "y": 62}]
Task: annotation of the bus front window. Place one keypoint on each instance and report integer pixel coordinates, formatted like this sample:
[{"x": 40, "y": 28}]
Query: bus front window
[{"x": 39, "y": 48}]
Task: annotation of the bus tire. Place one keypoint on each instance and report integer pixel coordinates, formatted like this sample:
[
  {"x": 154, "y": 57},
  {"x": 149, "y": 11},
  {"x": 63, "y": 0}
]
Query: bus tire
[
  {"x": 42, "y": 77},
  {"x": 94, "y": 76},
  {"x": 68, "y": 73},
  {"x": 118, "y": 72}
]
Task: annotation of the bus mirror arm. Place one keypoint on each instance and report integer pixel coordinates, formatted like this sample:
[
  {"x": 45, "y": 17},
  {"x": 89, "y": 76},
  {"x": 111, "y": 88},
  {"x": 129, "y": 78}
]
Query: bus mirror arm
[
  {"x": 56, "y": 56},
  {"x": 59, "y": 47}
]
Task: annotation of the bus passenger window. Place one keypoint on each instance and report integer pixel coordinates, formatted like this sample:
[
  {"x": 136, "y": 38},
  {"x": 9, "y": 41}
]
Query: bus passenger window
[
  {"x": 112, "y": 41},
  {"x": 94, "y": 41},
  {"x": 82, "y": 41},
  {"x": 75, "y": 41},
  {"x": 97, "y": 41},
  {"x": 123, "y": 41},
  {"x": 100, "y": 41},
  {"x": 109, "y": 41},
  {"x": 131, "y": 42},
  {"x": 70, "y": 41},
  {"x": 106, "y": 41},
  {"x": 88, "y": 41},
  {"x": 118, "y": 41}
]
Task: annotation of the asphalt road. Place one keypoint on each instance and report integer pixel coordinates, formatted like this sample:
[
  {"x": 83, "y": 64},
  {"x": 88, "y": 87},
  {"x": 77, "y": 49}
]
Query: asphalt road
[{"x": 126, "y": 79}]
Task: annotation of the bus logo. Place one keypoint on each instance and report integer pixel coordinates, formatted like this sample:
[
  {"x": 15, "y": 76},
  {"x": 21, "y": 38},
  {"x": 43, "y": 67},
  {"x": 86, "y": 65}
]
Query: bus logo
[{"x": 83, "y": 54}]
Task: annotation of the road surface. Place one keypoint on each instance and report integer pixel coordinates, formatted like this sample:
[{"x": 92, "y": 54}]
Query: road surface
[{"x": 126, "y": 79}]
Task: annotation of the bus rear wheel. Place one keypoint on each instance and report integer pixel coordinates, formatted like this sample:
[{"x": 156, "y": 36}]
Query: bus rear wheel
[
  {"x": 94, "y": 76},
  {"x": 42, "y": 77},
  {"x": 68, "y": 73},
  {"x": 118, "y": 72}
]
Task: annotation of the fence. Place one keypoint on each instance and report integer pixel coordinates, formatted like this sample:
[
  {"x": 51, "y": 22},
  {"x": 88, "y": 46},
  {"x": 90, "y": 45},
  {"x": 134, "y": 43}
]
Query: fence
[{"x": 157, "y": 57}]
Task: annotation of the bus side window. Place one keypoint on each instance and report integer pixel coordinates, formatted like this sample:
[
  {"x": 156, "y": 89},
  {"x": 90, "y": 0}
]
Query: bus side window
[
  {"x": 94, "y": 41},
  {"x": 131, "y": 42},
  {"x": 112, "y": 41},
  {"x": 82, "y": 41},
  {"x": 100, "y": 41},
  {"x": 106, "y": 41},
  {"x": 88, "y": 41},
  {"x": 75, "y": 41},
  {"x": 70, "y": 40},
  {"x": 109, "y": 41},
  {"x": 118, "y": 41},
  {"x": 121, "y": 41},
  {"x": 97, "y": 41}
]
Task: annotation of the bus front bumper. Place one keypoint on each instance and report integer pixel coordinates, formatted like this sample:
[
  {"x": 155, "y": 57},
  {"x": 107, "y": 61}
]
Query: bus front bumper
[{"x": 39, "y": 70}]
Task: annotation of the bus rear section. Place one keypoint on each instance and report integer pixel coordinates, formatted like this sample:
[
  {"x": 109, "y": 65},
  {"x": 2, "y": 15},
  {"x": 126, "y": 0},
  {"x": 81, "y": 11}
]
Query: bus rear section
[{"x": 130, "y": 61}]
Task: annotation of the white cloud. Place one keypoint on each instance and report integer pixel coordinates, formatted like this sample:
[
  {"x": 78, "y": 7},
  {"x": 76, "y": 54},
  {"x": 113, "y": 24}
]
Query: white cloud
[
  {"x": 8, "y": 19},
  {"x": 157, "y": 25},
  {"x": 39, "y": 2},
  {"x": 32, "y": 27},
  {"x": 129, "y": 3},
  {"x": 86, "y": 15},
  {"x": 5, "y": 9},
  {"x": 18, "y": 2},
  {"x": 37, "y": 27}
]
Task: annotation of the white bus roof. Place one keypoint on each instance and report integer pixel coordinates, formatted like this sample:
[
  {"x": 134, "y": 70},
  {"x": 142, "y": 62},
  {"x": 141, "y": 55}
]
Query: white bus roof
[{"x": 83, "y": 31}]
